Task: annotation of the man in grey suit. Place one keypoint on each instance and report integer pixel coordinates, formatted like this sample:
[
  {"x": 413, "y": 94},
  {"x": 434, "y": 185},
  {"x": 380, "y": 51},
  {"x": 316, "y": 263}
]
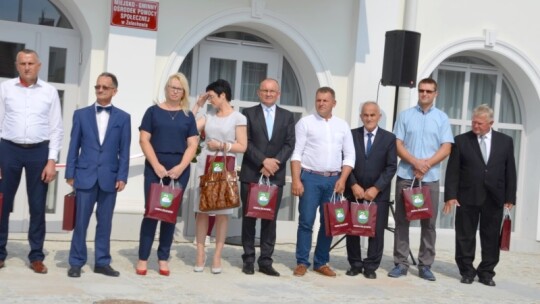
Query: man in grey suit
[
  {"x": 375, "y": 166},
  {"x": 480, "y": 181},
  {"x": 270, "y": 144}
]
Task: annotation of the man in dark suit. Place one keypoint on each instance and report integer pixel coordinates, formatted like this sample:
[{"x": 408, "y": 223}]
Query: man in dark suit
[
  {"x": 270, "y": 144},
  {"x": 97, "y": 167},
  {"x": 480, "y": 181},
  {"x": 375, "y": 166}
]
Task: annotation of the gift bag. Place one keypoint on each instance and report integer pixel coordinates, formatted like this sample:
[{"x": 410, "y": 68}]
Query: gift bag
[
  {"x": 504, "y": 239},
  {"x": 417, "y": 201},
  {"x": 217, "y": 163},
  {"x": 70, "y": 208},
  {"x": 262, "y": 199},
  {"x": 363, "y": 219},
  {"x": 218, "y": 190},
  {"x": 336, "y": 216},
  {"x": 163, "y": 202}
]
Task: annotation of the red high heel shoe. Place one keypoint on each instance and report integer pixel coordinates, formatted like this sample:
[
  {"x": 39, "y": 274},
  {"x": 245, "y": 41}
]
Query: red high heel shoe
[
  {"x": 164, "y": 272},
  {"x": 140, "y": 271}
]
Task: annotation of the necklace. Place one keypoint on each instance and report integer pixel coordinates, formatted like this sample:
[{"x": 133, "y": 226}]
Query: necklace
[{"x": 169, "y": 110}]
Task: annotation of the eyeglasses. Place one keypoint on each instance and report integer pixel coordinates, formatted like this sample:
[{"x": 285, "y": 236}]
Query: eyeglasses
[
  {"x": 426, "y": 91},
  {"x": 105, "y": 88},
  {"x": 175, "y": 89},
  {"x": 271, "y": 92}
]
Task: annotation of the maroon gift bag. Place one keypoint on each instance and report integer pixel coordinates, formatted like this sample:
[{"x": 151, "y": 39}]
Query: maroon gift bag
[
  {"x": 417, "y": 201},
  {"x": 363, "y": 219},
  {"x": 70, "y": 208},
  {"x": 336, "y": 216},
  {"x": 506, "y": 230},
  {"x": 217, "y": 163},
  {"x": 262, "y": 199},
  {"x": 163, "y": 202}
]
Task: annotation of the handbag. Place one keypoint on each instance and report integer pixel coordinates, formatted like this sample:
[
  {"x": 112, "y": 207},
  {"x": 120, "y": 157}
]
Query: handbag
[
  {"x": 262, "y": 199},
  {"x": 506, "y": 230},
  {"x": 163, "y": 202},
  {"x": 70, "y": 209},
  {"x": 363, "y": 219},
  {"x": 417, "y": 201},
  {"x": 336, "y": 216},
  {"x": 218, "y": 190}
]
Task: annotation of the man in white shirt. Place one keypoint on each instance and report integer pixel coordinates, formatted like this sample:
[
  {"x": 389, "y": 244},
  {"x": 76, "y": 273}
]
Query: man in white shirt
[
  {"x": 31, "y": 136},
  {"x": 322, "y": 160}
]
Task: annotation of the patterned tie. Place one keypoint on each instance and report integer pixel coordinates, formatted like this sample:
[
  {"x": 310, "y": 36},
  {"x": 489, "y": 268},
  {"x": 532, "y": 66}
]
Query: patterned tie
[
  {"x": 368, "y": 147},
  {"x": 269, "y": 122},
  {"x": 483, "y": 148}
]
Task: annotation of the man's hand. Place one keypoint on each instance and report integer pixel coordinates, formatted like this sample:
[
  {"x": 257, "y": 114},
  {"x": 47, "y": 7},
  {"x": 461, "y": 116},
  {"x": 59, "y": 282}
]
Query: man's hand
[
  {"x": 120, "y": 185},
  {"x": 49, "y": 172},
  {"x": 70, "y": 181},
  {"x": 449, "y": 204},
  {"x": 271, "y": 165},
  {"x": 371, "y": 193},
  {"x": 297, "y": 188},
  {"x": 358, "y": 191}
]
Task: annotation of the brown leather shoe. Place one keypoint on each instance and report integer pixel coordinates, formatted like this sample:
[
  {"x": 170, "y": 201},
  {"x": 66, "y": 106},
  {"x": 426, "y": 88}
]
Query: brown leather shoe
[
  {"x": 38, "y": 267},
  {"x": 300, "y": 270},
  {"x": 325, "y": 270},
  {"x": 2, "y": 264}
]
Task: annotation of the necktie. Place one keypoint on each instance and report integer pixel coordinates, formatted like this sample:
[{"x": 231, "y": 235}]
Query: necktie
[
  {"x": 368, "y": 146},
  {"x": 269, "y": 122},
  {"x": 106, "y": 109},
  {"x": 483, "y": 148}
]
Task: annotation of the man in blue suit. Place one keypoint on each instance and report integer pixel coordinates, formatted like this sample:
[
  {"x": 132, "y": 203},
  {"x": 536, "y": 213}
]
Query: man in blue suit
[{"x": 97, "y": 167}]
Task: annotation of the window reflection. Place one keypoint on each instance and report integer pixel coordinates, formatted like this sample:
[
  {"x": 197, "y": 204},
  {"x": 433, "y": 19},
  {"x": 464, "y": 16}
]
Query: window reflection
[
  {"x": 57, "y": 64},
  {"x": 38, "y": 12},
  {"x": 8, "y": 55}
]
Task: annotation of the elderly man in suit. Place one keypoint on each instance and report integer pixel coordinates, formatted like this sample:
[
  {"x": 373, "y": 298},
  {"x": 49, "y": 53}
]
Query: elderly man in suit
[
  {"x": 97, "y": 167},
  {"x": 375, "y": 166},
  {"x": 480, "y": 181},
  {"x": 270, "y": 144}
]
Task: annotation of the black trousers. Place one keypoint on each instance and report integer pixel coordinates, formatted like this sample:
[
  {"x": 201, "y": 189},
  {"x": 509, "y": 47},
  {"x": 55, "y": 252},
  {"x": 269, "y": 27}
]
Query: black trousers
[
  {"x": 490, "y": 218},
  {"x": 268, "y": 231},
  {"x": 376, "y": 243}
]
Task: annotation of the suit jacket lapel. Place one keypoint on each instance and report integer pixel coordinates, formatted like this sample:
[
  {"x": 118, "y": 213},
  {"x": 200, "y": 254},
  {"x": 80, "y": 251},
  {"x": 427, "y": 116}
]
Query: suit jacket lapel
[
  {"x": 361, "y": 143},
  {"x": 473, "y": 138},
  {"x": 259, "y": 116},
  {"x": 112, "y": 115},
  {"x": 93, "y": 121}
]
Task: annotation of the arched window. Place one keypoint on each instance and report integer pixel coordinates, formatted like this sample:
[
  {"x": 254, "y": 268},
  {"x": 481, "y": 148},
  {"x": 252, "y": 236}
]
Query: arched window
[
  {"x": 466, "y": 81},
  {"x": 33, "y": 12}
]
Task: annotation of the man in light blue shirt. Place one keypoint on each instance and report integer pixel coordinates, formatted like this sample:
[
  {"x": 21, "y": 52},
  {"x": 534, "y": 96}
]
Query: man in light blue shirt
[{"x": 424, "y": 140}]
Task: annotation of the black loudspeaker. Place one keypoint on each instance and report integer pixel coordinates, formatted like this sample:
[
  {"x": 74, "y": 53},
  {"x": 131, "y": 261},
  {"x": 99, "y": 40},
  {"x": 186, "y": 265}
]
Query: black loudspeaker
[{"x": 400, "y": 58}]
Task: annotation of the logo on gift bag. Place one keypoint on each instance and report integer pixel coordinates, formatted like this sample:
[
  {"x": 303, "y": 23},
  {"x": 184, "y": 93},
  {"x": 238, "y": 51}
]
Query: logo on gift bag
[
  {"x": 418, "y": 200},
  {"x": 363, "y": 216},
  {"x": 340, "y": 215},
  {"x": 166, "y": 199},
  {"x": 217, "y": 167},
  {"x": 263, "y": 198}
]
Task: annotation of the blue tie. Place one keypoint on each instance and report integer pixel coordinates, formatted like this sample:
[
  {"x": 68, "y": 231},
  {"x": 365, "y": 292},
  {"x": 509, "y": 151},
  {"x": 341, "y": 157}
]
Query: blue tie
[
  {"x": 106, "y": 109},
  {"x": 368, "y": 148},
  {"x": 269, "y": 122}
]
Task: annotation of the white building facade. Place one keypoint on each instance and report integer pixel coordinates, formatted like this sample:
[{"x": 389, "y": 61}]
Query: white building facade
[{"x": 478, "y": 51}]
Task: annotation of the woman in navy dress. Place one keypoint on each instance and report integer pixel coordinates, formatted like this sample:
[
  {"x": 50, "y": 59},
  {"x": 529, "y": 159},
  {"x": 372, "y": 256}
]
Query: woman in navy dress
[{"x": 168, "y": 139}]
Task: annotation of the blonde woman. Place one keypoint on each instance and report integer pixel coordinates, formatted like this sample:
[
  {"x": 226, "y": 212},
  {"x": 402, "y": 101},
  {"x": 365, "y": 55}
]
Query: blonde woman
[{"x": 168, "y": 139}]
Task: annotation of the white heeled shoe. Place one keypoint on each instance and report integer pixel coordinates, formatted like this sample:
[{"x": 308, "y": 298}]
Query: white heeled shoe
[{"x": 200, "y": 268}]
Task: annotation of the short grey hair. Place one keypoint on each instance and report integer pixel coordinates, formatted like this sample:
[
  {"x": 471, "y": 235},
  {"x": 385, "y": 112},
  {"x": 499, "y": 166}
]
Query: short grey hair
[
  {"x": 483, "y": 109},
  {"x": 370, "y": 102}
]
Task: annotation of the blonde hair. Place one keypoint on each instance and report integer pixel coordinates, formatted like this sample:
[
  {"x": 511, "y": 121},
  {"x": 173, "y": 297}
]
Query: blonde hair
[{"x": 184, "y": 102}]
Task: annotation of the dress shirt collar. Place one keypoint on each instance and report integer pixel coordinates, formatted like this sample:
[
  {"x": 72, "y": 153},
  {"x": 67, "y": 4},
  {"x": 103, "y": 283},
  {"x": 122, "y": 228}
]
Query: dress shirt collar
[
  {"x": 374, "y": 132},
  {"x": 487, "y": 135},
  {"x": 272, "y": 108}
]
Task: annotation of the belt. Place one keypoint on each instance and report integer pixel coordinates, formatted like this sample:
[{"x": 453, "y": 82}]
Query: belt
[
  {"x": 325, "y": 173},
  {"x": 26, "y": 146}
]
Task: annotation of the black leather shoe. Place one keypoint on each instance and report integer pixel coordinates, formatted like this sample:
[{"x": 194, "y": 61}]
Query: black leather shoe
[
  {"x": 107, "y": 270},
  {"x": 74, "y": 272},
  {"x": 487, "y": 282},
  {"x": 369, "y": 274},
  {"x": 466, "y": 280},
  {"x": 269, "y": 270},
  {"x": 248, "y": 268},
  {"x": 353, "y": 271}
]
